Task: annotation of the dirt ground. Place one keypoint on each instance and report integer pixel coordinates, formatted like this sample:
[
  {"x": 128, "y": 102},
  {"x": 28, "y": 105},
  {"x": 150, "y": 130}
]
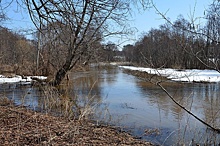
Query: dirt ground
[{"x": 20, "y": 126}]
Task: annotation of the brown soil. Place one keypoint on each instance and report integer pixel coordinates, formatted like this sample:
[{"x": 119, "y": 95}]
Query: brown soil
[{"x": 20, "y": 126}]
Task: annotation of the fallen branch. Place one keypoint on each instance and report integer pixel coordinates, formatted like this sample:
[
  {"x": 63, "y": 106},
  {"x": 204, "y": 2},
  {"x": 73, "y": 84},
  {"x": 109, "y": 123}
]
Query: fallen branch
[
  {"x": 151, "y": 80},
  {"x": 189, "y": 112}
]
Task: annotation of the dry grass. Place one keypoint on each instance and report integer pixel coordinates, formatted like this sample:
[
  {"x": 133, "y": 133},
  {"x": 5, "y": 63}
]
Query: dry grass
[
  {"x": 20, "y": 126},
  {"x": 4, "y": 101}
]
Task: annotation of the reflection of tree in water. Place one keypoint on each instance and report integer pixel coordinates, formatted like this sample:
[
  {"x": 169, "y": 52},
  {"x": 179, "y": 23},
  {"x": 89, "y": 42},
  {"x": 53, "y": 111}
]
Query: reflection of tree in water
[
  {"x": 85, "y": 86},
  {"x": 212, "y": 104},
  {"x": 206, "y": 100},
  {"x": 109, "y": 74},
  {"x": 198, "y": 95},
  {"x": 195, "y": 97},
  {"x": 22, "y": 94},
  {"x": 83, "y": 89},
  {"x": 158, "y": 97},
  {"x": 199, "y": 98}
]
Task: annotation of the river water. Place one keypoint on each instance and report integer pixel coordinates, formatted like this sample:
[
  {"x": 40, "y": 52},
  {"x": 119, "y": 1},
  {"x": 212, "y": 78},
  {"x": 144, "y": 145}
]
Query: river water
[{"x": 137, "y": 106}]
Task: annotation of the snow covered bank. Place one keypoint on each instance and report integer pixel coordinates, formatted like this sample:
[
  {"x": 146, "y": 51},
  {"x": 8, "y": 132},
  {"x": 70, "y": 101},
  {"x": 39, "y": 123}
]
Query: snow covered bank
[
  {"x": 193, "y": 75},
  {"x": 18, "y": 78}
]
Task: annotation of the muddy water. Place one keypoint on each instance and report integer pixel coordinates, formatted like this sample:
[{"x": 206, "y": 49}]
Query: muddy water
[{"x": 138, "y": 106}]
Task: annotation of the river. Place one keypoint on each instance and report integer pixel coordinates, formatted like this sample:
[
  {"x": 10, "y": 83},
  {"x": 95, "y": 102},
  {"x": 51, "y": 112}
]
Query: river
[{"x": 138, "y": 107}]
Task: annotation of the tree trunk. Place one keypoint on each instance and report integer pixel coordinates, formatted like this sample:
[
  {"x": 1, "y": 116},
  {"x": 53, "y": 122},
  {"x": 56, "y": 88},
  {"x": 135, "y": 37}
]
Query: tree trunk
[{"x": 61, "y": 73}]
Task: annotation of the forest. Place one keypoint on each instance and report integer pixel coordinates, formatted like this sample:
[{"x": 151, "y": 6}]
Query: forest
[
  {"x": 71, "y": 35},
  {"x": 177, "y": 46},
  {"x": 181, "y": 44}
]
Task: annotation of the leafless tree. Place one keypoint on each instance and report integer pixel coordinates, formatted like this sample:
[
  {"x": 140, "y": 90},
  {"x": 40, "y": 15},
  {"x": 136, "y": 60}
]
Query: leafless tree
[
  {"x": 80, "y": 23},
  {"x": 199, "y": 49},
  {"x": 2, "y": 14},
  {"x": 212, "y": 32},
  {"x": 180, "y": 44}
]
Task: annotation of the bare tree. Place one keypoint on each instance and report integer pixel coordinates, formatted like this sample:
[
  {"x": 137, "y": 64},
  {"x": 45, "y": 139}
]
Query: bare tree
[
  {"x": 79, "y": 24},
  {"x": 197, "y": 48},
  {"x": 2, "y": 14},
  {"x": 212, "y": 31},
  {"x": 180, "y": 44}
]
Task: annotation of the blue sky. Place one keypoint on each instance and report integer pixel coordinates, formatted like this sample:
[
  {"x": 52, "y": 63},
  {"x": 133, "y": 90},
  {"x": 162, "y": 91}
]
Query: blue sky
[
  {"x": 18, "y": 18},
  {"x": 143, "y": 21},
  {"x": 148, "y": 19}
]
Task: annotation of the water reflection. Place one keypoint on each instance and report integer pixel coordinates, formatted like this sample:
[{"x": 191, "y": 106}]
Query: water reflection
[
  {"x": 125, "y": 100},
  {"x": 201, "y": 99}
]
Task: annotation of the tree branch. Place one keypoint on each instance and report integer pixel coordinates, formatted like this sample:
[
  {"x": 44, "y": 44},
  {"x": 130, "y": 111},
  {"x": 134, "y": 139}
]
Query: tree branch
[{"x": 189, "y": 112}]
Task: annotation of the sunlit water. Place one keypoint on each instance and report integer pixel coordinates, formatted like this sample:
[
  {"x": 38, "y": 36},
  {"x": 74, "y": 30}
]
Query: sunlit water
[{"x": 136, "y": 106}]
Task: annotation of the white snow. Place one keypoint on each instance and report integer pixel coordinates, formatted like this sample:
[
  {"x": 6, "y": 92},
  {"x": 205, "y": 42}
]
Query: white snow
[
  {"x": 194, "y": 75},
  {"x": 18, "y": 78}
]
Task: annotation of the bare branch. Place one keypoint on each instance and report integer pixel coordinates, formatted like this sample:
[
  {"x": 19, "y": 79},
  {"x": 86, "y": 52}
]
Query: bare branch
[{"x": 189, "y": 112}]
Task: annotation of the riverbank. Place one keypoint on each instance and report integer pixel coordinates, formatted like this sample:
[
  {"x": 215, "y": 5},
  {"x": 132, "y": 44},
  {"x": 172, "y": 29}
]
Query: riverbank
[
  {"x": 20, "y": 126},
  {"x": 12, "y": 78},
  {"x": 187, "y": 75}
]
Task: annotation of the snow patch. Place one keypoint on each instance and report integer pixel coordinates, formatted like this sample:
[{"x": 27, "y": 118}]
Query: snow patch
[
  {"x": 17, "y": 78},
  {"x": 193, "y": 75}
]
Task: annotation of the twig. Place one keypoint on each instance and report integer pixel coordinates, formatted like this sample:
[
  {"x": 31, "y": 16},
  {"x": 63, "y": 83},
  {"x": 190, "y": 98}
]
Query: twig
[{"x": 189, "y": 112}]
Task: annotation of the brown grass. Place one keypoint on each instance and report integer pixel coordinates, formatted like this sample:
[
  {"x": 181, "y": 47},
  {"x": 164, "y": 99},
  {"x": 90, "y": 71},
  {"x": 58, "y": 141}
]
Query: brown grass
[
  {"x": 4, "y": 101},
  {"x": 20, "y": 126}
]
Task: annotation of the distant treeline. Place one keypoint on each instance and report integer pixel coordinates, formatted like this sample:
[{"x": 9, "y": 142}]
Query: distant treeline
[
  {"x": 17, "y": 54},
  {"x": 178, "y": 45}
]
